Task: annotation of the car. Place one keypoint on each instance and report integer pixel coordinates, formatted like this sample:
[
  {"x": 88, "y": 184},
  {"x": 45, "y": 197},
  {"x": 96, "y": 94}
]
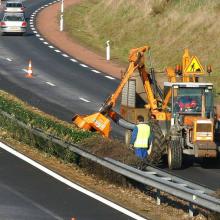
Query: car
[
  {"x": 13, "y": 23},
  {"x": 14, "y": 6}
]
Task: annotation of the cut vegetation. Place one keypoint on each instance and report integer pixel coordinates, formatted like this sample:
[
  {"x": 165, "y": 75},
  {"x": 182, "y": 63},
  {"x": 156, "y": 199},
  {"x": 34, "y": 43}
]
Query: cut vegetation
[{"x": 168, "y": 26}]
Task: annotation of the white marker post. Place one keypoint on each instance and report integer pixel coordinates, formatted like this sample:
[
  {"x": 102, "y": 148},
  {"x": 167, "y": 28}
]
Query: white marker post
[
  {"x": 61, "y": 22},
  {"x": 61, "y": 15},
  {"x": 107, "y": 50},
  {"x": 62, "y": 6}
]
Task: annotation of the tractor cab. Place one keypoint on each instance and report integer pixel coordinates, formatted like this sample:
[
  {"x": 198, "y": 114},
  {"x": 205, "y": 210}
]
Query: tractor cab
[{"x": 190, "y": 100}]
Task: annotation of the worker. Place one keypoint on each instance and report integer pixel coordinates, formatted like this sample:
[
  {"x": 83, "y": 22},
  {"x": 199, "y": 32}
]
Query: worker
[
  {"x": 186, "y": 102},
  {"x": 141, "y": 138}
]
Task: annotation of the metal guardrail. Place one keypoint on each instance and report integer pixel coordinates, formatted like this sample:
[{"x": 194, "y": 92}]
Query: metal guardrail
[{"x": 162, "y": 181}]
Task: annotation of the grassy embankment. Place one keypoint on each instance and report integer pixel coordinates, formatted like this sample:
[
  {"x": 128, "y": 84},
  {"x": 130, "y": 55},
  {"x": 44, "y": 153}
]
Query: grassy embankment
[{"x": 168, "y": 26}]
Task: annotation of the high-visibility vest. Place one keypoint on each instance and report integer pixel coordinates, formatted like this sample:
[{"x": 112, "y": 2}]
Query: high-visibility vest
[{"x": 142, "y": 136}]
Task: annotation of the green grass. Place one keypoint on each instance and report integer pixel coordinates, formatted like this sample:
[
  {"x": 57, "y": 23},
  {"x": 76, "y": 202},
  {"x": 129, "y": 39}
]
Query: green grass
[{"x": 168, "y": 26}]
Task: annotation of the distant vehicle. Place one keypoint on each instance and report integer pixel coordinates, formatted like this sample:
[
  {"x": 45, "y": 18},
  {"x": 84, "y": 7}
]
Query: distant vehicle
[
  {"x": 13, "y": 23},
  {"x": 14, "y": 6}
]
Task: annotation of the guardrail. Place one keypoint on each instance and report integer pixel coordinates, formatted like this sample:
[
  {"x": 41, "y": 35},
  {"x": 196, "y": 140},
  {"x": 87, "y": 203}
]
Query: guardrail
[{"x": 160, "y": 180}]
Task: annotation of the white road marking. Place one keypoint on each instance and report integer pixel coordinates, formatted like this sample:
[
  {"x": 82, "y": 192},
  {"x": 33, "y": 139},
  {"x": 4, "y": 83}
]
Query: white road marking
[
  {"x": 96, "y": 71},
  {"x": 51, "y": 46},
  {"x": 83, "y": 65},
  {"x": 65, "y": 55},
  {"x": 26, "y": 71},
  {"x": 73, "y": 60},
  {"x": 41, "y": 39},
  {"x": 51, "y": 84},
  {"x": 45, "y": 42},
  {"x": 35, "y": 32},
  {"x": 31, "y": 25},
  {"x": 84, "y": 100},
  {"x": 37, "y": 35},
  {"x": 69, "y": 183},
  {"x": 8, "y": 59},
  {"x": 109, "y": 77},
  {"x": 58, "y": 51}
]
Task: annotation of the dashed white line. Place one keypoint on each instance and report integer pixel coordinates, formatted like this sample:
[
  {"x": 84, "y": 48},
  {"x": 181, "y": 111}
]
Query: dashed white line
[
  {"x": 41, "y": 39},
  {"x": 83, "y": 65},
  {"x": 96, "y": 71},
  {"x": 51, "y": 84},
  {"x": 35, "y": 32},
  {"x": 51, "y": 46},
  {"x": 65, "y": 55},
  {"x": 73, "y": 60},
  {"x": 84, "y": 100},
  {"x": 58, "y": 51},
  {"x": 26, "y": 71},
  {"x": 8, "y": 59},
  {"x": 109, "y": 77},
  {"x": 45, "y": 42},
  {"x": 37, "y": 35}
]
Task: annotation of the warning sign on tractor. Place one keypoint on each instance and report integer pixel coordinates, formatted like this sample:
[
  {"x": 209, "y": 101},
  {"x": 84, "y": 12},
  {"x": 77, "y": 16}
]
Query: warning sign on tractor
[{"x": 194, "y": 66}]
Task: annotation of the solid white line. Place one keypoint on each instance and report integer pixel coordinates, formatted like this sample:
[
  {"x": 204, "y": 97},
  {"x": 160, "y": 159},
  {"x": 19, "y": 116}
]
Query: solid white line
[
  {"x": 51, "y": 84},
  {"x": 8, "y": 59},
  {"x": 109, "y": 77},
  {"x": 83, "y": 65},
  {"x": 51, "y": 46},
  {"x": 96, "y": 71},
  {"x": 45, "y": 42},
  {"x": 26, "y": 71},
  {"x": 65, "y": 55},
  {"x": 85, "y": 100},
  {"x": 73, "y": 60},
  {"x": 58, "y": 51},
  {"x": 71, "y": 184}
]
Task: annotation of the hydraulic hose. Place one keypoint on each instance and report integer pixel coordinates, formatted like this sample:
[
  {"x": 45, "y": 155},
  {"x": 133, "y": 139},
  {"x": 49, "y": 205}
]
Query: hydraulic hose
[{"x": 120, "y": 121}]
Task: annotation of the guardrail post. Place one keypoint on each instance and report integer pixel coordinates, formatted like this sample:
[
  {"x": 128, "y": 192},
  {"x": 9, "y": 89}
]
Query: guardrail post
[
  {"x": 191, "y": 209},
  {"x": 158, "y": 197}
]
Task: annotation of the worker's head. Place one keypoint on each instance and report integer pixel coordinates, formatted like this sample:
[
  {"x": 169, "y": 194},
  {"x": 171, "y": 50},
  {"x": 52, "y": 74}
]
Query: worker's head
[{"x": 140, "y": 118}]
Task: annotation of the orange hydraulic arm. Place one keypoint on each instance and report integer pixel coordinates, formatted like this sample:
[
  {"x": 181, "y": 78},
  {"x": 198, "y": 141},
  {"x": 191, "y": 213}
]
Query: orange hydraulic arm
[
  {"x": 136, "y": 56},
  {"x": 98, "y": 121}
]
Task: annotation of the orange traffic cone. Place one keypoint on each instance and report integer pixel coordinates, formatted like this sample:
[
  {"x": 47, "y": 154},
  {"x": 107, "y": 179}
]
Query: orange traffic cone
[{"x": 29, "y": 71}]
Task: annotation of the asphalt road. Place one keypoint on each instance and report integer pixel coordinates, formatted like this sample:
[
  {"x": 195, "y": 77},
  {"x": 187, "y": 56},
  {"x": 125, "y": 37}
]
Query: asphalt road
[
  {"x": 28, "y": 193},
  {"x": 73, "y": 85}
]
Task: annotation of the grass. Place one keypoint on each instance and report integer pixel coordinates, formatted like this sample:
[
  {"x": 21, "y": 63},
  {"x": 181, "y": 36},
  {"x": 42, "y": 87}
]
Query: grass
[{"x": 168, "y": 26}]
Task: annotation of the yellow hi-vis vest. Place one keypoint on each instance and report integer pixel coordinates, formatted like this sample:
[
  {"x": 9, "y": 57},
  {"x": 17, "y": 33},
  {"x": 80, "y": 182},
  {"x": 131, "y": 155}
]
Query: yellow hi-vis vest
[{"x": 142, "y": 136}]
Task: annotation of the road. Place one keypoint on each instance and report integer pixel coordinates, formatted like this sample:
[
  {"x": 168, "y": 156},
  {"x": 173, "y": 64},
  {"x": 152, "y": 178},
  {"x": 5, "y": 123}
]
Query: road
[
  {"x": 62, "y": 87},
  {"x": 28, "y": 193}
]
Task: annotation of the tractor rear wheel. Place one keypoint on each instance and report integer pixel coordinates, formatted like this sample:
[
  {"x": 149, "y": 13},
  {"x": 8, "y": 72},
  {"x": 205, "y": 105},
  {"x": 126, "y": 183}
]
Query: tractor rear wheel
[
  {"x": 158, "y": 146},
  {"x": 175, "y": 154}
]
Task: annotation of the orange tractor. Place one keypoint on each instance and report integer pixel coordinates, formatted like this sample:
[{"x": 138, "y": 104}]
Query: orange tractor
[{"x": 182, "y": 117}]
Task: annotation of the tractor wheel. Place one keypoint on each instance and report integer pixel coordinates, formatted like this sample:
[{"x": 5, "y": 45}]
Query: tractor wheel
[
  {"x": 158, "y": 146},
  {"x": 127, "y": 136},
  {"x": 175, "y": 154}
]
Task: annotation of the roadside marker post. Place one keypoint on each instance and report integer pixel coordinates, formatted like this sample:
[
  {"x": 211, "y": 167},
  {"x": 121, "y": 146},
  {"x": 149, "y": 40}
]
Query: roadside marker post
[
  {"x": 61, "y": 15},
  {"x": 62, "y": 6},
  {"x": 61, "y": 22},
  {"x": 108, "y": 50}
]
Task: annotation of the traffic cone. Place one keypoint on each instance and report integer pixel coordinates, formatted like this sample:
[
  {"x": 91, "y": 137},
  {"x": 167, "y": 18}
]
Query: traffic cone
[{"x": 29, "y": 71}]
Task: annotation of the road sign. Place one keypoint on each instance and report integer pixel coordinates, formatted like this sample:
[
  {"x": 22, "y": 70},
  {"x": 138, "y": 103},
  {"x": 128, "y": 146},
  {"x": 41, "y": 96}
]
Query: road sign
[{"x": 194, "y": 66}]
